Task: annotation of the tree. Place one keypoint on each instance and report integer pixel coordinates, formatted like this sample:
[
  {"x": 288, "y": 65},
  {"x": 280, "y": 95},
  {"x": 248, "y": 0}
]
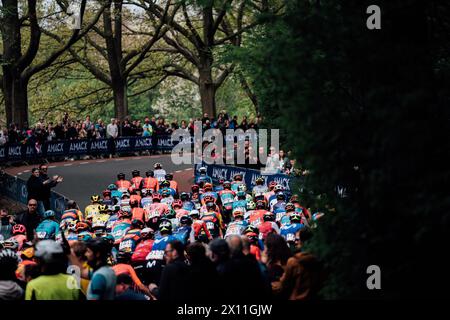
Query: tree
[
  {"x": 366, "y": 112},
  {"x": 18, "y": 67},
  {"x": 198, "y": 34},
  {"x": 115, "y": 63}
]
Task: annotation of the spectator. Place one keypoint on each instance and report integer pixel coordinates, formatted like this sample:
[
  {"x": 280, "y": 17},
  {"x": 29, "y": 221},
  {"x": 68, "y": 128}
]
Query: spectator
[
  {"x": 124, "y": 290},
  {"x": 53, "y": 282},
  {"x": 276, "y": 254},
  {"x": 72, "y": 133},
  {"x": 112, "y": 132},
  {"x": 29, "y": 218},
  {"x": 35, "y": 188},
  {"x": 285, "y": 163},
  {"x": 126, "y": 129},
  {"x": 103, "y": 281},
  {"x": 175, "y": 282},
  {"x": 3, "y": 137},
  {"x": 6, "y": 224},
  {"x": 9, "y": 288},
  {"x": 47, "y": 184},
  {"x": 201, "y": 268}
]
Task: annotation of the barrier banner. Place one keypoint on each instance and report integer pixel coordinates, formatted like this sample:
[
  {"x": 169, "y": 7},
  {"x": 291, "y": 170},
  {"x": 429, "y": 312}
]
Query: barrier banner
[
  {"x": 217, "y": 172},
  {"x": 66, "y": 148}
]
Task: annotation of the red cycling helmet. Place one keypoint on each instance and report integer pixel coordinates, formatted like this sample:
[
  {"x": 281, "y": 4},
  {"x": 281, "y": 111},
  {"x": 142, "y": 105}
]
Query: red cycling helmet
[
  {"x": 81, "y": 226},
  {"x": 177, "y": 203},
  {"x": 195, "y": 188},
  {"x": 207, "y": 186},
  {"x": 272, "y": 185},
  {"x": 209, "y": 199},
  {"x": 18, "y": 229},
  {"x": 156, "y": 196},
  {"x": 106, "y": 192}
]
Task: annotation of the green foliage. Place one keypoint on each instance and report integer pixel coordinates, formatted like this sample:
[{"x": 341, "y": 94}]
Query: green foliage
[{"x": 359, "y": 109}]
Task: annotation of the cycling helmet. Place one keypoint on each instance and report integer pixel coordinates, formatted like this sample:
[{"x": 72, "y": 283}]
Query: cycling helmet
[
  {"x": 156, "y": 196},
  {"x": 186, "y": 220},
  {"x": 259, "y": 196},
  {"x": 81, "y": 226},
  {"x": 210, "y": 205},
  {"x": 207, "y": 186},
  {"x": 195, "y": 188},
  {"x": 237, "y": 177},
  {"x": 259, "y": 181},
  {"x": 147, "y": 233},
  {"x": 135, "y": 173},
  {"x": 295, "y": 217},
  {"x": 280, "y": 195},
  {"x": 316, "y": 216},
  {"x": 95, "y": 198},
  {"x": 165, "y": 193},
  {"x": 177, "y": 203},
  {"x": 71, "y": 226},
  {"x": 121, "y": 176},
  {"x": 208, "y": 198},
  {"x": 134, "y": 203},
  {"x": 289, "y": 207},
  {"x": 184, "y": 196},
  {"x": 242, "y": 187},
  {"x": 250, "y": 229},
  {"x": 112, "y": 187},
  {"x": 278, "y": 187},
  {"x": 241, "y": 194},
  {"x": 11, "y": 243},
  {"x": 260, "y": 204},
  {"x": 125, "y": 212},
  {"x": 194, "y": 214},
  {"x": 137, "y": 224},
  {"x": 49, "y": 251},
  {"x": 18, "y": 229},
  {"x": 165, "y": 184},
  {"x": 165, "y": 226},
  {"x": 269, "y": 216},
  {"x": 106, "y": 192},
  {"x": 48, "y": 214},
  {"x": 294, "y": 199},
  {"x": 103, "y": 208},
  {"x": 168, "y": 176},
  {"x": 227, "y": 185},
  {"x": 238, "y": 212},
  {"x": 157, "y": 165},
  {"x": 251, "y": 205},
  {"x": 9, "y": 257},
  {"x": 272, "y": 185},
  {"x": 125, "y": 194},
  {"x": 202, "y": 170}
]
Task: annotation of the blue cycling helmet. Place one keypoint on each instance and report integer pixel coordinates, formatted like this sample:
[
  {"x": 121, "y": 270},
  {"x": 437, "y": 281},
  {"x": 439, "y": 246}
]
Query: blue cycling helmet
[
  {"x": 48, "y": 214},
  {"x": 112, "y": 186},
  {"x": 241, "y": 194}
]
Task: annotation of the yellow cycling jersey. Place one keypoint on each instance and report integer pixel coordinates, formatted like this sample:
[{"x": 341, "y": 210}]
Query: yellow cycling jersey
[
  {"x": 91, "y": 210},
  {"x": 100, "y": 220}
]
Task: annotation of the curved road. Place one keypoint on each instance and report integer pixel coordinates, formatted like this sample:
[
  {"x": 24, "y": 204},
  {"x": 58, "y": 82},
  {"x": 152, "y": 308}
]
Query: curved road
[{"x": 84, "y": 178}]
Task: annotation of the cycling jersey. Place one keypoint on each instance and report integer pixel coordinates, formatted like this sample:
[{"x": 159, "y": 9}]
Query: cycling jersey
[
  {"x": 241, "y": 204},
  {"x": 159, "y": 245},
  {"x": 181, "y": 212},
  {"x": 116, "y": 194},
  {"x": 138, "y": 213},
  {"x": 154, "y": 212},
  {"x": 123, "y": 184},
  {"x": 150, "y": 183},
  {"x": 119, "y": 230},
  {"x": 100, "y": 221},
  {"x": 130, "y": 240},
  {"x": 202, "y": 178},
  {"x": 173, "y": 192},
  {"x": 257, "y": 217},
  {"x": 47, "y": 229},
  {"x": 167, "y": 201},
  {"x": 283, "y": 217},
  {"x": 213, "y": 224},
  {"x": 288, "y": 231},
  {"x": 141, "y": 251},
  {"x": 227, "y": 199},
  {"x": 108, "y": 202},
  {"x": 236, "y": 228},
  {"x": 136, "y": 182},
  {"x": 21, "y": 239},
  {"x": 235, "y": 185},
  {"x": 91, "y": 210},
  {"x": 279, "y": 205},
  {"x": 160, "y": 174},
  {"x": 72, "y": 214},
  {"x": 111, "y": 221},
  {"x": 209, "y": 193},
  {"x": 135, "y": 197},
  {"x": 188, "y": 205},
  {"x": 267, "y": 227},
  {"x": 146, "y": 201},
  {"x": 174, "y": 185},
  {"x": 200, "y": 228},
  {"x": 259, "y": 189},
  {"x": 185, "y": 234}
]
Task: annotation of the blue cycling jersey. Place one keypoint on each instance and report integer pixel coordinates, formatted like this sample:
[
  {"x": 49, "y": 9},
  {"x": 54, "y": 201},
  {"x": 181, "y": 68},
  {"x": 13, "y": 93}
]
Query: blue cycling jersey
[
  {"x": 159, "y": 245},
  {"x": 183, "y": 233},
  {"x": 240, "y": 204},
  {"x": 116, "y": 194},
  {"x": 188, "y": 205},
  {"x": 119, "y": 230},
  {"x": 47, "y": 229},
  {"x": 204, "y": 179},
  {"x": 288, "y": 231},
  {"x": 209, "y": 193}
]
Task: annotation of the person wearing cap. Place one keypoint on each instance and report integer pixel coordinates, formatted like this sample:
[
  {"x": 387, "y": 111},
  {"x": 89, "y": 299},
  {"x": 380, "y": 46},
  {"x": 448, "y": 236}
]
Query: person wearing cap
[
  {"x": 53, "y": 283},
  {"x": 103, "y": 281}
]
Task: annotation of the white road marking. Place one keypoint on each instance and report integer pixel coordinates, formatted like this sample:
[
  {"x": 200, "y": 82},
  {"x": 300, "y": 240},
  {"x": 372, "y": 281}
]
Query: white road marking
[
  {"x": 86, "y": 162},
  {"x": 137, "y": 158},
  {"x": 26, "y": 171},
  {"x": 188, "y": 169},
  {"x": 179, "y": 171},
  {"x": 51, "y": 167},
  {"x": 119, "y": 159},
  {"x": 68, "y": 164},
  {"x": 19, "y": 173},
  {"x": 100, "y": 161}
]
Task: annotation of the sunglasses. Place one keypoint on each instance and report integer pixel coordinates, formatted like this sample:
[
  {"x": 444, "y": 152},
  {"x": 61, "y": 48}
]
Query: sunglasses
[{"x": 32, "y": 204}]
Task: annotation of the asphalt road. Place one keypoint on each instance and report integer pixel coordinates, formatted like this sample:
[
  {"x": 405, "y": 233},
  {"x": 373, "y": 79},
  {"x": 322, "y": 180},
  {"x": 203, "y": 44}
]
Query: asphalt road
[{"x": 85, "y": 178}]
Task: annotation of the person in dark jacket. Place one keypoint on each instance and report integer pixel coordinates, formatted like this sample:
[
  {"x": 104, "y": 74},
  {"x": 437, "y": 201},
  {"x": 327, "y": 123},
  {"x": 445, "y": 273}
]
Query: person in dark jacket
[
  {"x": 47, "y": 183},
  {"x": 29, "y": 218},
  {"x": 175, "y": 283},
  {"x": 124, "y": 290},
  {"x": 35, "y": 187}
]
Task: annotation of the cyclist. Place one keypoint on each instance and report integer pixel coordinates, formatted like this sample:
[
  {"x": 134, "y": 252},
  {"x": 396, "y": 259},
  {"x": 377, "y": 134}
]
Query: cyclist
[
  {"x": 187, "y": 204},
  {"x": 122, "y": 225},
  {"x": 100, "y": 220},
  {"x": 83, "y": 231},
  {"x": 237, "y": 181},
  {"x": 252, "y": 233},
  {"x": 48, "y": 228},
  {"x": 167, "y": 197},
  {"x": 107, "y": 199},
  {"x": 146, "y": 200},
  {"x": 150, "y": 182},
  {"x": 273, "y": 198},
  {"x": 219, "y": 187},
  {"x": 19, "y": 233},
  {"x": 156, "y": 210},
  {"x": 257, "y": 216},
  {"x": 136, "y": 180},
  {"x": 240, "y": 201},
  {"x": 115, "y": 194},
  {"x": 288, "y": 231},
  {"x": 238, "y": 225},
  {"x": 92, "y": 209},
  {"x": 251, "y": 206},
  {"x": 165, "y": 185},
  {"x": 208, "y": 192},
  {"x": 125, "y": 200},
  {"x": 177, "y": 205},
  {"x": 213, "y": 220},
  {"x": 160, "y": 173},
  {"x": 185, "y": 232},
  {"x": 136, "y": 211},
  {"x": 113, "y": 217},
  {"x": 296, "y": 201},
  {"x": 123, "y": 267},
  {"x": 201, "y": 232},
  {"x": 132, "y": 237},
  {"x": 144, "y": 246},
  {"x": 72, "y": 212},
  {"x": 268, "y": 226},
  {"x": 173, "y": 184},
  {"x": 280, "y": 202},
  {"x": 260, "y": 186},
  {"x": 121, "y": 183},
  {"x": 283, "y": 217},
  {"x": 271, "y": 191},
  {"x": 203, "y": 177},
  {"x": 135, "y": 196}
]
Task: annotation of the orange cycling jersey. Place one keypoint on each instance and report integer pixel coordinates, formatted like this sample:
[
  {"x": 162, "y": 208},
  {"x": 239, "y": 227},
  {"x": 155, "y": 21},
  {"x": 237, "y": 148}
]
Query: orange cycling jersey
[
  {"x": 136, "y": 182},
  {"x": 135, "y": 197},
  {"x": 123, "y": 184},
  {"x": 174, "y": 185},
  {"x": 256, "y": 251},
  {"x": 138, "y": 213},
  {"x": 150, "y": 183},
  {"x": 156, "y": 209},
  {"x": 122, "y": 268},
  {"x": 257, "y": 217}
]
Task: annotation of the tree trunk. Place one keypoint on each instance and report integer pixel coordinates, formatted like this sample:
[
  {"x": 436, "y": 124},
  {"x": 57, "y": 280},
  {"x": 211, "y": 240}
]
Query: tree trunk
[
  {"x": 120, "y": 101},
  {"x": 207, "y": 92},
  {"x": 15, "y": 90}
]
